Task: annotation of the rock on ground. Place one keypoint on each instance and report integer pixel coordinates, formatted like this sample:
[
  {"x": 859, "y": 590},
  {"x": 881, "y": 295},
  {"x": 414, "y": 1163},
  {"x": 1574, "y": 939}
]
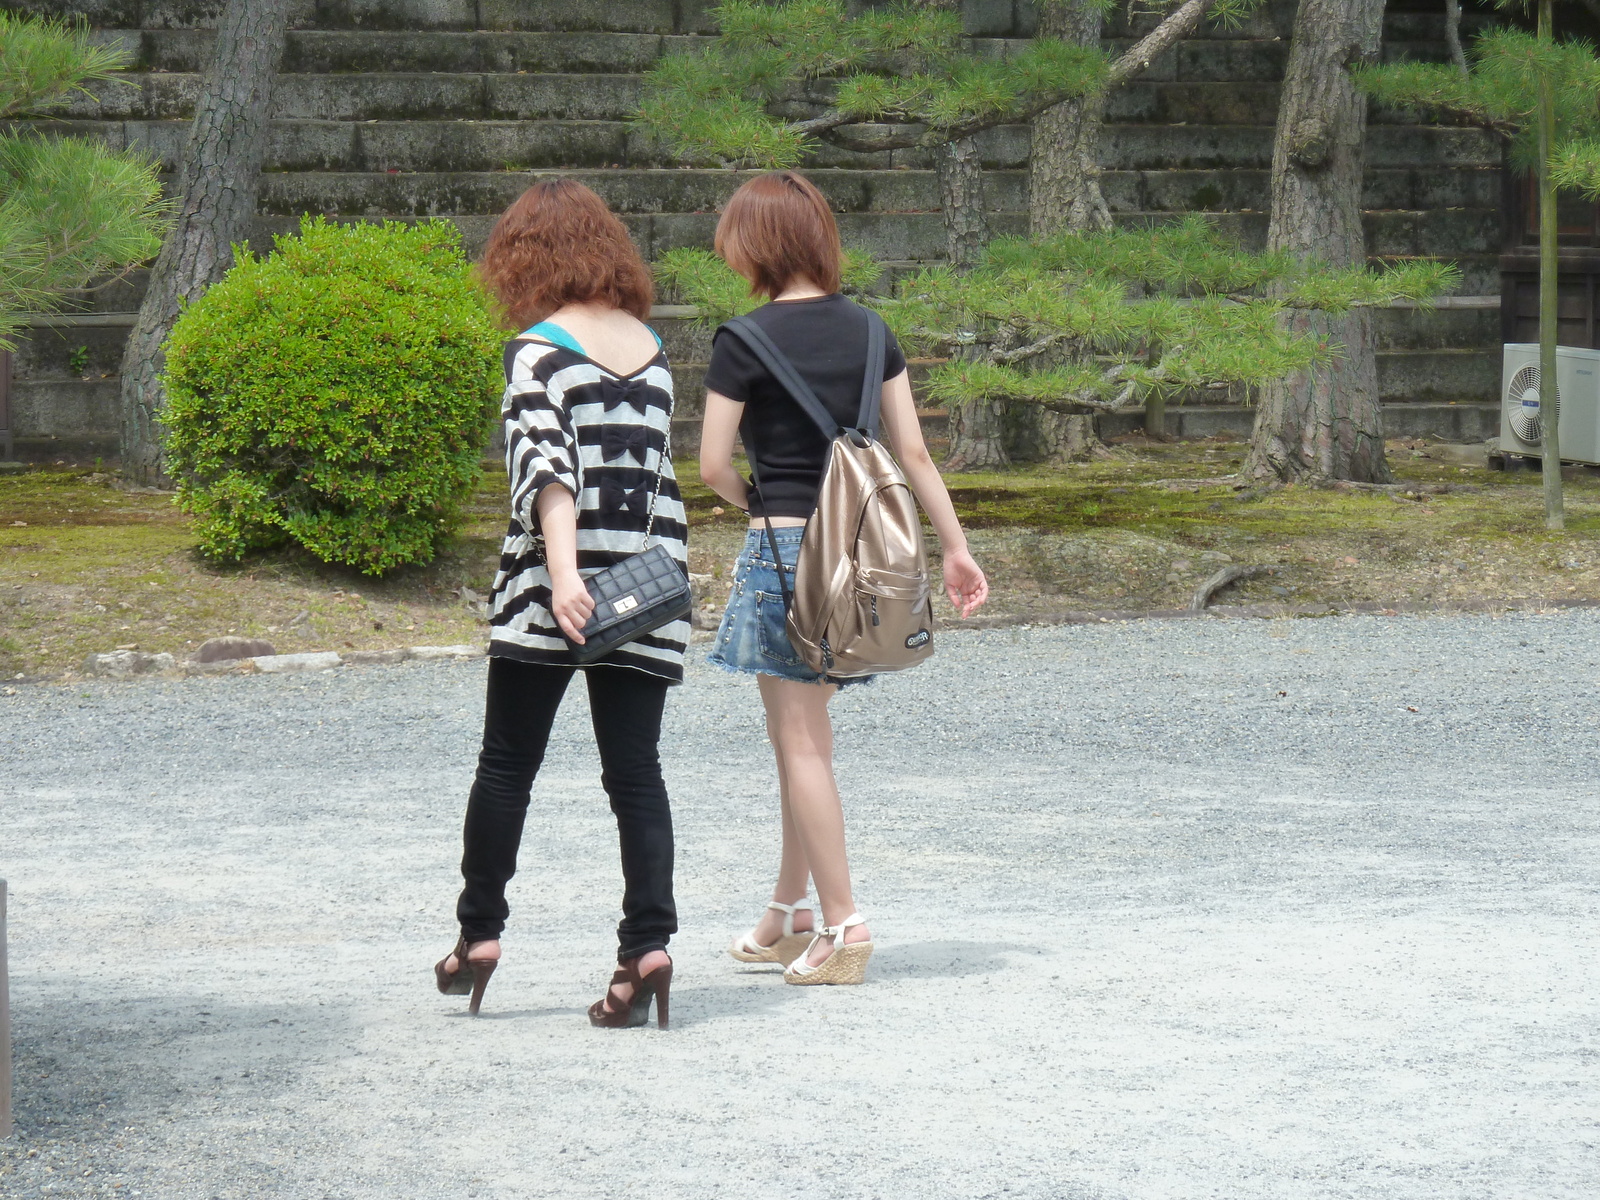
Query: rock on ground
[
  {"x": 1164, "y": 910},
  {"x": 125, "y": 664},
  {"x": 220, "y": 649}
]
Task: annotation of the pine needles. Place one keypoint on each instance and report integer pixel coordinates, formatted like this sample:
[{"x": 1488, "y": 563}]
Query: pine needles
[
  {"x": 783, "y": 75},
  {"x": 69, "y": 208},
  {"x": 1095, "y": 321},
  {"x": 1501, "y": 92},
  {"x": 1098, "y": 321}
]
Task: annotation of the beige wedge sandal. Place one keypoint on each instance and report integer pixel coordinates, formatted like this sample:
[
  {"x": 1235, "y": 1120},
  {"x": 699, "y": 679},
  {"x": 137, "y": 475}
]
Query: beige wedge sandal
[
  {"x": 789, "y": 946},
  {"x": 846, "y": 964}
]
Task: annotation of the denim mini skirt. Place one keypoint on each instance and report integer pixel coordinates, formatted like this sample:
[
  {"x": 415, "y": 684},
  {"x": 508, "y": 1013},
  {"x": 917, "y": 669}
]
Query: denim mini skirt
[{"x": 753, "y": 638}]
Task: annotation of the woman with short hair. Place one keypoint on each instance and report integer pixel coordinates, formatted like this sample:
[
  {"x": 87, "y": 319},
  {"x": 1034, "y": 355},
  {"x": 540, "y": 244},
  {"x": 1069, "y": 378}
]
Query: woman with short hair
[
  {"x": 779, "y": 233},
  {"x": 588, "y": 411}
]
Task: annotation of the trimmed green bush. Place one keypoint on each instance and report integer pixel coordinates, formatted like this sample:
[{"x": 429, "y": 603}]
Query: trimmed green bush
[{"x": 334, "y": 393}]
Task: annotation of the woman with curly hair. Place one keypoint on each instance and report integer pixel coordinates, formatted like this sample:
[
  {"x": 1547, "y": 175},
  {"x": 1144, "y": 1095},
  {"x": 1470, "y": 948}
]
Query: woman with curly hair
[{"x": 588, "y": 411}]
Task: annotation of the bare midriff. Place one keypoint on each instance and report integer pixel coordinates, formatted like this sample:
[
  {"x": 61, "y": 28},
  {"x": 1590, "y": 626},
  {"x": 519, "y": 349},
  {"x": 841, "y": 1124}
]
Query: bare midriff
[{"x": 777, "y": 522}]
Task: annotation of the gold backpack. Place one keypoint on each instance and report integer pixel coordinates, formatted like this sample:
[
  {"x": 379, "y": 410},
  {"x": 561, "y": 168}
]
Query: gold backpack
[{"x": 861, "y": 603}]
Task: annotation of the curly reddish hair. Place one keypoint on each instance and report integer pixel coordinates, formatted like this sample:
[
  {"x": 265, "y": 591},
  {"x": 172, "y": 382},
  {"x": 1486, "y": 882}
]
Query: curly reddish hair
[
  {"x": 559, "y": 244},
  {"x": 778, "y": 228}
]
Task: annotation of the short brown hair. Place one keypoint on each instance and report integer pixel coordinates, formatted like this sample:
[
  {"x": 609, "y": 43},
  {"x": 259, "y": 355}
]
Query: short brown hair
[
  {"x": 559, "y": 244},
  {"x": 777, "y": 227}
]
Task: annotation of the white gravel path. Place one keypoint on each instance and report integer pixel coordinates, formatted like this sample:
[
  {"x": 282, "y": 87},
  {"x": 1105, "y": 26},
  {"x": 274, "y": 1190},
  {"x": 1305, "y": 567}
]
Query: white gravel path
[{"x": 1165, "y": 910}]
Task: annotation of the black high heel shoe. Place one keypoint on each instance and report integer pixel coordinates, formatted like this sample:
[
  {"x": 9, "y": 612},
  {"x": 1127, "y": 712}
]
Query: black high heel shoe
[
  {"x": 657, "y": 984},
  {"x": 471, "y": 974}
]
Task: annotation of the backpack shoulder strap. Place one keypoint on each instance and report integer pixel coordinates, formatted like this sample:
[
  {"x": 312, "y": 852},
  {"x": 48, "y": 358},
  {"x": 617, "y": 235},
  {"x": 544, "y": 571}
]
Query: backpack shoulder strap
[
  {"x": 872, "y": 382},
  {"x": 781, "y": 369}
]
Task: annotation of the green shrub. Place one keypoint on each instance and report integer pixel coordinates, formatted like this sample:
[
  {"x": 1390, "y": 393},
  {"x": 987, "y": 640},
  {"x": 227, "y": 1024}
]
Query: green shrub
[{"x": 335, "y": 393}]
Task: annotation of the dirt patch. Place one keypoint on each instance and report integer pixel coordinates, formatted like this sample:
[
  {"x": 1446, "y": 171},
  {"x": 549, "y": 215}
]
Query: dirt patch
[{"x": 86, "y": 566}]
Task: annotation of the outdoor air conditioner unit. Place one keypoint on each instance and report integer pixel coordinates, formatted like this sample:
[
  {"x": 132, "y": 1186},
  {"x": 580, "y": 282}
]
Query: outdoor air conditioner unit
[{"x": 1577, "y": 387}]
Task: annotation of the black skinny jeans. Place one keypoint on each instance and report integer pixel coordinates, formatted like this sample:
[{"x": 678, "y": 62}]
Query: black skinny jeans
[{"x": 626, "y": 707}]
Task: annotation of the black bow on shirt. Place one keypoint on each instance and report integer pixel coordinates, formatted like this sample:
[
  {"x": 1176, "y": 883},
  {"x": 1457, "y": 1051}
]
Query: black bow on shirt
[
  {"x": 617, "y": 440},
  {"x": 632, "y": 392},
  {"x": 614, "y": 497}
]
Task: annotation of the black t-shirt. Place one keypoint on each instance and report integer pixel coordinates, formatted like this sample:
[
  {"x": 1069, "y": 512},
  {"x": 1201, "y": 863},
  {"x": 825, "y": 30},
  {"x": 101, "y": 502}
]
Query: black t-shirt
[{"x": 826, "y": 340}]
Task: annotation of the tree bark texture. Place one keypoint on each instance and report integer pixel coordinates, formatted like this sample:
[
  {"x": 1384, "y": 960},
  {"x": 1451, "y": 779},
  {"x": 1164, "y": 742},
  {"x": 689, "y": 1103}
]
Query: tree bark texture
[
  {"x": 1324, "y": 424},
  {"x": 219, "y": 181},
  {"x": 1452, "y": 35},
  {"x": 977, "y": 431},
  {"x": 960, "y": 172},
  {"x": 966, "y": 226},
  {"x": 1068, "y": 437},
  {"x": 1549, "y": 276},
  {"x": 978, "y": 436},
  {"x": 1064, "y": 167}
]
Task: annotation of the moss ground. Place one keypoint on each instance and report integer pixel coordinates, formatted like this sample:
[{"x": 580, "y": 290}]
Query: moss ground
[{"x": 86, "y": 566}]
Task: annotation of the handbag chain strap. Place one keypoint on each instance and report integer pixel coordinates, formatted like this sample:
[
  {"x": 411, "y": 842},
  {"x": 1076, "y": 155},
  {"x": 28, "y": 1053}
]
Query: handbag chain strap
[{"x": 661, "y": 462}]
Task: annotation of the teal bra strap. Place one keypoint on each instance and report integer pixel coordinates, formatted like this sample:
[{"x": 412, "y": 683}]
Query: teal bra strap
[
  {"x": 553, "y": 333},
  {"x": 556, "y": 335}
]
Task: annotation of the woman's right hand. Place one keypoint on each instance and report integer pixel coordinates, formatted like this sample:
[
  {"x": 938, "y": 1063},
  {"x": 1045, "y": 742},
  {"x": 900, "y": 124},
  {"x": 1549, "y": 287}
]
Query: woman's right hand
[
  {"x": 570, "y": 603},
  {"x": 964, "y": 582}
]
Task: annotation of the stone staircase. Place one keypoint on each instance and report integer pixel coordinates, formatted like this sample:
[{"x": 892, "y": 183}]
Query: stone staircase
[{"x": 444, "y": 108}]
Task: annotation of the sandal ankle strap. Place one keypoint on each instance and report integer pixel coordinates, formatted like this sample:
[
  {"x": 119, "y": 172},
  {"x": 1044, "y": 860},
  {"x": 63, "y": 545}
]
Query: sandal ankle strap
[
  {"x": 788, "y": 912},
  {"x": 836, "y": 932},
  {"x": 801, "y": 967}
]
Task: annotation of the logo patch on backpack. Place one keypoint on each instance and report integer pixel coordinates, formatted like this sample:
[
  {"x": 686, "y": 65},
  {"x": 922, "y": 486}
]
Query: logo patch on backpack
[{"x": 918, "y": 639}]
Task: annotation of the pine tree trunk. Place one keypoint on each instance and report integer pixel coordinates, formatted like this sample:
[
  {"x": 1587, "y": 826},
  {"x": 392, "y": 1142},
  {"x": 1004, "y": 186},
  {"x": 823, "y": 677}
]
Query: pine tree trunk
[
  {"x": 219, "y": 180},
  {"x": 1452, "y": 35},
  {"x": 978, "y": 436},
  {"x": 960, "y": 172},
  {"x": 1064, "y": 168},
  {"x": 1324, "y": 424},
  {"x": 977, "y": 430},
  {"x": 1064, "y": 194},
  {"x": 966, "y": 227}
]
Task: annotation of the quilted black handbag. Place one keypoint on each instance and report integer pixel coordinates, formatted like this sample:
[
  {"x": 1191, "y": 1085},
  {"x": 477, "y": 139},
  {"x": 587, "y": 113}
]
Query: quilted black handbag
[{"x": 641, "y": 593}]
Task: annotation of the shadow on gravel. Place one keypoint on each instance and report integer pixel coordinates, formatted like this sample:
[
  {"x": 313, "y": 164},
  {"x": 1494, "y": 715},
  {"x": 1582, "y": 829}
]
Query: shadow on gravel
[
  {"x": 945, "y": 958},
  {"x": 696, "y": 1005},
  {"x": 515, "y": 1014},
  {"x": 93, "y": 1081}
]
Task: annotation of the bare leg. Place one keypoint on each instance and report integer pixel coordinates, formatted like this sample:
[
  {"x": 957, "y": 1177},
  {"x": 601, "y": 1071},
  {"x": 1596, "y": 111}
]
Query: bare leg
[
  {"x": 794, "y": 871},
  {"x": 797, "y": 721}
]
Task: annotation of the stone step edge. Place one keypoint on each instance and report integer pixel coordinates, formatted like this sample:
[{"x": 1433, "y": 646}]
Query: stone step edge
[
  {"x": 659, "y": 312},
  {"x": 126, "y": 664}
]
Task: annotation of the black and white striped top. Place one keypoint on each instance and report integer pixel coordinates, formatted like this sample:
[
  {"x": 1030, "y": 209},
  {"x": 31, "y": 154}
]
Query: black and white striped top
[{"x": 603, "y": 436}]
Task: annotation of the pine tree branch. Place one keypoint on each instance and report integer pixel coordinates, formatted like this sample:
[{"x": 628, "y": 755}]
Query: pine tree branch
[
  {"x": 1031, "y": 350},
  {"x": 44, "y": 60},
  {"x": 1147, "y": 49},
  {"x": 826, "y": 123},
  {"x": 1470, "y": 116},
  {"x": 904, "y": 131}
]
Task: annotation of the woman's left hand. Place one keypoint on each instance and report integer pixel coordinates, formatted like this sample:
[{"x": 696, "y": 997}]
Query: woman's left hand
[{"x": 964, "y": 582}]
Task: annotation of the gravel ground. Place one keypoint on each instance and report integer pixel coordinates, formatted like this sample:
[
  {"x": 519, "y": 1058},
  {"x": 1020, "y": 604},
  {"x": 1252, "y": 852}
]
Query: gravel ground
[{"x": 1164, "y": 909}]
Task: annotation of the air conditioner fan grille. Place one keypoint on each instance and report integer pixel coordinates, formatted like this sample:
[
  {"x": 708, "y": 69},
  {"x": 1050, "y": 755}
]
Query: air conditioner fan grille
[{"x": 1524, "y": 418}]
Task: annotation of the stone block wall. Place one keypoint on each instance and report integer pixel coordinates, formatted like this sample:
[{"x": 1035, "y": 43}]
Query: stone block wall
[{"x": 448, "y": 108}]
